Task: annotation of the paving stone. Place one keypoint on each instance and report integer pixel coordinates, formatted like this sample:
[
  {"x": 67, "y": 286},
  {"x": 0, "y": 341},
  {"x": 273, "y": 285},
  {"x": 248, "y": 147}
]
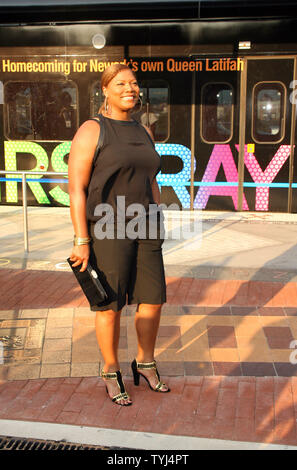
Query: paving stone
[
  {"x": 59, "y": 322},
  {"x": 58, "y": 333},
  {"x": 56, "y": 357},
  {"x": 60, "y": 312},
  {"x": 55, "y": 370},
  {"x": 58, "y": 344},
  {"x": 9, "y": 314},
  {"x": 85, "y": 369},
  {"x": 33, "y": 313},
  {"x": 20, "y": 372}
]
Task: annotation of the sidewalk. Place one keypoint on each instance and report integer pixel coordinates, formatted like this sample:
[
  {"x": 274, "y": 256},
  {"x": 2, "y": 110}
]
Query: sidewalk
[{"x": 223, "y": 345}]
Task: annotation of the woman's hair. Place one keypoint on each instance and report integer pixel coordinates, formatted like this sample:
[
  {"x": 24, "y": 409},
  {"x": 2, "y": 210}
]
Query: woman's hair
[{"x": 108, "y": 74}]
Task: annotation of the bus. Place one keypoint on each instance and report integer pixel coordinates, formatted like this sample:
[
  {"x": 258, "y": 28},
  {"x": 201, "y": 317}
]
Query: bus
[{"x": 218, "y": 90}]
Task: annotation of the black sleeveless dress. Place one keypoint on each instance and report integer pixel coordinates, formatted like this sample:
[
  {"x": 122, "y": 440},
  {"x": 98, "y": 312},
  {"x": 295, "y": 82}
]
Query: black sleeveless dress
[
  {"x": 131, "y": 269},
  {"x": 125, "y": 165}
]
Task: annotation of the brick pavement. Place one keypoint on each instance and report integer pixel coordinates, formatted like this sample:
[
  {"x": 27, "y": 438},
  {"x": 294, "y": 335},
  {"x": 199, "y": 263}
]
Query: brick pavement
[
  {"x": 253, "y": 409},
  {"x": 223, "y": 347}
]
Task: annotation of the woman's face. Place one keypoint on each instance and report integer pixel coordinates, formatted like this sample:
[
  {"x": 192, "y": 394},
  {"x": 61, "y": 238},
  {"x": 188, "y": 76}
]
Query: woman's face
[{"x": 122, "y": 91}]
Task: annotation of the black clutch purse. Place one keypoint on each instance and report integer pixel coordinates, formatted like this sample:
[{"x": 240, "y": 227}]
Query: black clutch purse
[{"x": 90, "y": 283}]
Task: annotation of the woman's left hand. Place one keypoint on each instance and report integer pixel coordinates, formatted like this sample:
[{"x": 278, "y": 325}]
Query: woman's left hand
[{"x": 80, "y": 255}]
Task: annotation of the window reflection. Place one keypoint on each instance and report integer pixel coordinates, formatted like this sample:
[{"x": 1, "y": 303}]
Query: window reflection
[
  {"x": 40, "y": 111},
  {"x": 155, "y": 107},
  {"x": 217, "y": 112},
  {"x": 268, "y": 112}
]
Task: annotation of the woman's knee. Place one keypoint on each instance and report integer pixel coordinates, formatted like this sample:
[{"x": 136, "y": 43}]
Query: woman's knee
[
  {"x": 149, "y": 307},
  {"x": 108, "y": 315}
]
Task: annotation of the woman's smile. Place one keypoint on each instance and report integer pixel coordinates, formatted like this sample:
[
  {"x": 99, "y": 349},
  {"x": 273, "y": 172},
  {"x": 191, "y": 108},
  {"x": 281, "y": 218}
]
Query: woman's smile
[{"x": 128, "y": 98}]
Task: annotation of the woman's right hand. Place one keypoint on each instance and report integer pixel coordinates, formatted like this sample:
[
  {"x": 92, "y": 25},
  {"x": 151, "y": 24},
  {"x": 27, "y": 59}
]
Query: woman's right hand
[{"x": 80, "y": 254}]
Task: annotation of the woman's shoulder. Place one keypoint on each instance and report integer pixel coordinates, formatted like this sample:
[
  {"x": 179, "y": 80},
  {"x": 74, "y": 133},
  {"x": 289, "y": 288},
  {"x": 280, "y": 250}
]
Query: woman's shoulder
[
  {"x": 88, "y": 133},
  {"x": 93, "y": 121},
  {"x": 89, "y": 126}
]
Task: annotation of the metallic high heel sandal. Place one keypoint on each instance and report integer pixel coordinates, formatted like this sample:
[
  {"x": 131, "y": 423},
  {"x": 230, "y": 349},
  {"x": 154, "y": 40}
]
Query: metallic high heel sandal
[
  {"x": 147, "y": 365},
  {"x": 118, "y": 377}
]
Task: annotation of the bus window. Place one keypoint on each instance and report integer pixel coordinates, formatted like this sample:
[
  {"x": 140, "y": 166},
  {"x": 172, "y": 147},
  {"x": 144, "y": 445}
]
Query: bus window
[
  {"x": 154, "y": 112},
  {"x": 268, "y": 112},
  {"x": 217, "y": 113},
  {"x": 40, "y": 110}
]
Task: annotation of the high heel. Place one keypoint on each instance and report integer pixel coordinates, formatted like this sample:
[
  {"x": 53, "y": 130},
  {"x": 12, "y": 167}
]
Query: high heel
[
  {"x": 121, "y": 396},
  {"x": 147, "y": 365}
]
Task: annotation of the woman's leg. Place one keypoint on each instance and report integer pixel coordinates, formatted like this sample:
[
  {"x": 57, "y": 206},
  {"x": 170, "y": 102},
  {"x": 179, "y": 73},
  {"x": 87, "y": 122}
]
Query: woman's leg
[
  {"x": 147, "y": 320},
  {"x": 108, "y": 335}
]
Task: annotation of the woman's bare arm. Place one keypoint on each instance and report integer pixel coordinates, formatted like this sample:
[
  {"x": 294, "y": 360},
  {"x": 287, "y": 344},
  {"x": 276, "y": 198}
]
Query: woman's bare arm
[{"x": 79, "y": 171}]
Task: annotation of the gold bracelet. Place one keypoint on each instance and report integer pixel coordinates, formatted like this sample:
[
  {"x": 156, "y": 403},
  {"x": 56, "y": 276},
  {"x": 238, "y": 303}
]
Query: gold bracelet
[{"x": 77, "y": 241}]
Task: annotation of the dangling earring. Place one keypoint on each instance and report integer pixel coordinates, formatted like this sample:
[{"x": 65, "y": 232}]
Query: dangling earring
[
  {"x": 140, "y": 101},
  {"x": 105, "y": 105}
]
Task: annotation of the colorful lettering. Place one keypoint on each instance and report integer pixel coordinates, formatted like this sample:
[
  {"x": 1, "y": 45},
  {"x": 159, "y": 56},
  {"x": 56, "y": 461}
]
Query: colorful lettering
[
  {"x": 266, "y": 176},
  {"x": 178, "y": 181},
  {"x": 11, "y": 148},
  {"x": 58, "y": 165},
  {"x": 221, "y": 155}
]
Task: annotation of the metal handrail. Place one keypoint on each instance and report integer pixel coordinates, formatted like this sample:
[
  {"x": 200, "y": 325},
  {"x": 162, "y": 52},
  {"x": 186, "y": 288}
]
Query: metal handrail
[{"x": 24, "y": 193}]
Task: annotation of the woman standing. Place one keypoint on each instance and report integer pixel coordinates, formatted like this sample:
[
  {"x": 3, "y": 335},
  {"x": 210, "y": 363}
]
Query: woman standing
[{"x": 126, "y": 165}]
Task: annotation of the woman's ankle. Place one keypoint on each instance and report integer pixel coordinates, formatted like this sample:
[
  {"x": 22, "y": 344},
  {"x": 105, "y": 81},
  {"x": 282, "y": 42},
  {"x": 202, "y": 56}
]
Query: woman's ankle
[
  {"x": 110, "y": 368},
  {"x": 144, "y": 358}
]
